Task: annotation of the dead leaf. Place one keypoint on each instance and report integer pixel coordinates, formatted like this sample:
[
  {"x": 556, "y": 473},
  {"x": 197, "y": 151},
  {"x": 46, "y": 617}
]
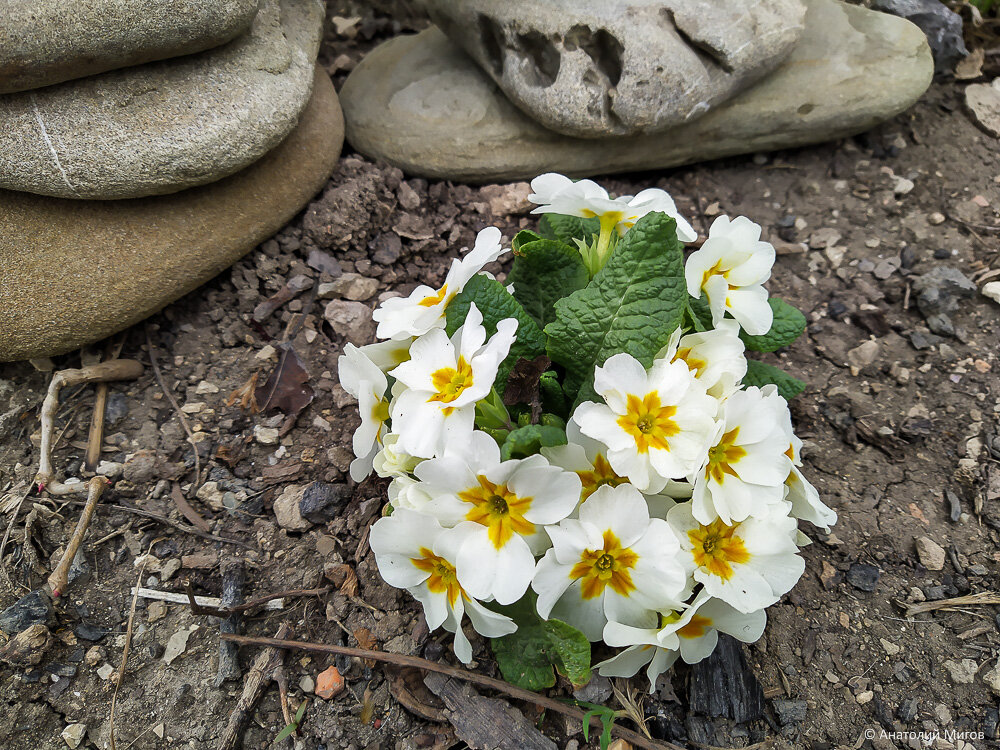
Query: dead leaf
[
  {"x": 971, "y": 66},
  {"x": 246, "y": 395},
  {"x": 345, "y": 579},
  {"x": 522, "y": 384},
  {"x": 288, "y": 389},
  {"x": 187, "y": 511},
  {"x": 366, "y": 641},
  {"x": 408, "y": 688}
]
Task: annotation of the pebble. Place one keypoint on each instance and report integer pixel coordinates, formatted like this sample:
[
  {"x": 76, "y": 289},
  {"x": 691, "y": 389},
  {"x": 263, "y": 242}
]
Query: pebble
[
  {"x": 29, "y": 610},
  {"x": 992, "y": 678},
  {"x": 329, "y": 683},
  {"x": 862, "y": 356},
  {"x": 351, "y": 286},
  {"x": 94, "y": 656},
  {"x": 597, "y": 690},
  {"x": 352, "y": 320},
  {"x": 286, "y": 508},
  {"x": 863, "y": 576},
  {"x": 110, "y": 469},
  {"x": 934, "y": 218},
  {"x": 889, "y": 647},
  {"x": 266, "y": 435},
  {"x": 991, "y": 290},
  {"x": 962, "y": 672},
  {"x": 27, "y": 647},
  {"x": 930, "y": 553},
  {"x": 105, "y": 671},
  {"x": 790, "y": 712},
  {"x": 321, "y": 501},
  {"x": 177, "y": 644},
  {"x": 210, "y": 494},
  {"x": 73, "y": 735},
  {"x": 307, "y": 684},
  {"x": 864, "y": 697}
]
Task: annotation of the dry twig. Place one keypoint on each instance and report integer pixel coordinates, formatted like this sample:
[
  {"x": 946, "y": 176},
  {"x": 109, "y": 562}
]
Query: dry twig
[
  {"x": 114, "y": 369},
  {"x": 120, "y": 676},
  {"x": 981, "y": 599},
  {"x": 59, "y": 578},
  {"x": 402, "y": 660},
  {"x": 257, "y": 680}
]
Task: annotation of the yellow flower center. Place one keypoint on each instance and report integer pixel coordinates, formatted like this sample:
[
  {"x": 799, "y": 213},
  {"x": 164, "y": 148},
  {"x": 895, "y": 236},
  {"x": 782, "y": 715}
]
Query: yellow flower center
[
  {"x": 380, "y": 411},
  {"x": 450, "y": 382},
  {"x": 436, "y": 299},
  {"x": 609, "y": 566},
  {"x": 716, "y": 546},
  {"x": 601, "y": 475},
  {"x": 442, "y": 575},
  {"x": 499, "y": 509},
  {"x": 722, "y": 456},
  {"x": 716, "y": 270},
  {"x": 694, "y": 364},
  {"x": 649, "y": 422},
  {"x": 696, "y": 628}
]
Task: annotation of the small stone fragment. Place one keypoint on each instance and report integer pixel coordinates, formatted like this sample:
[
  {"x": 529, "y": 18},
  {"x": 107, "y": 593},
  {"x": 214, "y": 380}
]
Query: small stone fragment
[
  {"x": 861, "y": 356},
  {"x": 307, "y": 684},
  {"x": 889, "y": 647},
  {"x": 73, "y": 735},
  {"x": 105, "y": 671},
  {"x": 352, "y": 320},
  {"x": 962, "y": 672},
  {"x": 27, "y": 611},
  {"x": 991, "y": 290},
  {"x": 930, "y": 553},
  {"x": 177, "y": 644},
  {"x": 329, "y": 683},
  {"x": 266, "y": 435},
  {"x": 27, "y": 647},
  {"x": 286, "y": 508},
  {"x": 992, "y": 678},
  {"x": 863, "y": 576},
  {"x": 790, "y": 712}
]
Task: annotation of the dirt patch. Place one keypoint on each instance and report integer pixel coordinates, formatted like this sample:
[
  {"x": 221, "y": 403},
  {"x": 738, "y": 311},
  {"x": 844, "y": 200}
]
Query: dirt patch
[{"x": 897, "y": 432}]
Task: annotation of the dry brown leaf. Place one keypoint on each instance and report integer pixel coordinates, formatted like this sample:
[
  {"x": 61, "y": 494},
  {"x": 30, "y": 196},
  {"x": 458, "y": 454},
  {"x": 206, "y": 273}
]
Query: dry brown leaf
[{"x": 288, "y": 389}]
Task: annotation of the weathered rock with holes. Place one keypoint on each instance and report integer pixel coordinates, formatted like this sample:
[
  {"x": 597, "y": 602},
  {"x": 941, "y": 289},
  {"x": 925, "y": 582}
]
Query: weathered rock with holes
[
  {"x": 165, "y": 126},
  {"x": 43, "y": 42},
  {"x": 73, "y": 272},
  {"x": 592, "y": 69},
  {"x": 420, "y": 104}
]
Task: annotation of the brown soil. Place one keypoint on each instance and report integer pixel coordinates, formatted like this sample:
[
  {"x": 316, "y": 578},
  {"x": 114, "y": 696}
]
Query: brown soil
[{"x": 884, "y": 443}]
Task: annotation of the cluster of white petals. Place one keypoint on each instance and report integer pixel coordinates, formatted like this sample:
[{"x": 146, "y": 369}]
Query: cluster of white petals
[{"x": 670, "y": 514}]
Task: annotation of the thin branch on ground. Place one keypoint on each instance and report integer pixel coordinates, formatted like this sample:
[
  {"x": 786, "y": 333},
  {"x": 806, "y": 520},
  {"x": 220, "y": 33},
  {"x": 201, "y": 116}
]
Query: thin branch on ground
[
  {"x": 981, "y": 599},
  {"x": 256, "y": 682},
  {"x": 402, "y": 660},
  {"x": 153, "y": 360},
  {"x": 120, "y": 675},
  {"x": 59, "y": 578},
  {"x": 115, "y": 369},
  {"x": 96, "y": 437},
  {"x": 199, "y": 609}
]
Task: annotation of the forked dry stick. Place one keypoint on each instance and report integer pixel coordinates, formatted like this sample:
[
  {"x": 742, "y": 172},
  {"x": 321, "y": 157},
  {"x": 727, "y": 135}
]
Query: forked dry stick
[
  {"x": 60, "y": 576},
  {"x": 115, "y": 369}
]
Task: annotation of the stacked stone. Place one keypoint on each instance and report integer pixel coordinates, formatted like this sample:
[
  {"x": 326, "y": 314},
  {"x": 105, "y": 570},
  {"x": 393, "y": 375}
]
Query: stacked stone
[{"x": 145, "y": 145}]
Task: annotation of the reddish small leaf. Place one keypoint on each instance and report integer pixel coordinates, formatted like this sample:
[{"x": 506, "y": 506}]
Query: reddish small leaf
[{"x": 288, "y": 389}]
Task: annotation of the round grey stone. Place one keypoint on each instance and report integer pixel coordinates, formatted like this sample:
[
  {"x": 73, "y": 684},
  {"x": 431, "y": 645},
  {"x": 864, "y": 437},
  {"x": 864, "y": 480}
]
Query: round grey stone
[
  {"x": 421, "y": 104},
  {"x": 48, "y": 41},
  {"x": 592, "y": 68},
  {"x": 165, "y": 126}
]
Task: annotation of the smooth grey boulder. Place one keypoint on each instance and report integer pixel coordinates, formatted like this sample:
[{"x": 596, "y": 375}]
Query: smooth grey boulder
[
  {"x": 421, "y": 104},
  {"x": 49, "y": 41},
  {"x": 594, "y": 68},
  {"x": 165, "y": 126}
]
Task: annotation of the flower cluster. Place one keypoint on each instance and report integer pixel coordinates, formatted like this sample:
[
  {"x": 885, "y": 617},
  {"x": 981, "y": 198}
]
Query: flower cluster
[{"x": 592, "y": 438}]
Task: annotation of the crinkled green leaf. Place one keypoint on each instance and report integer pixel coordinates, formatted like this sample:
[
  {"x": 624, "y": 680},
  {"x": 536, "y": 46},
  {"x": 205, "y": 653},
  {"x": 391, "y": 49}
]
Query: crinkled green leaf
[
  {"x": 528, "y": 440},
  {"x": 761, "y": 374},
  {"x": 496, "y": 304},
  {"x": 632, "y": 305},
  {"x": 523, "y": 238},
  {"x": 788, "y": 325},
  {"x": 553, "y": 398},
  {"x": 545, "y": 271},
  {"x": 526, "y": 657},
  {"x": 568, "y": 228}
]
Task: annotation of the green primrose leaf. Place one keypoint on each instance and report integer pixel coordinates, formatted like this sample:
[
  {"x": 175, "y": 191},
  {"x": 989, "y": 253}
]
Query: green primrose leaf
[
  {"x": 788, "y": 325},
  {"x": 632, "y": 305},
  {"x": 545, "y": 271},
  {"x": 523, "y": 238},
  {"x": 526, "y": 657},
  {"x": 553, "y": 399},
  {"x": 568, "y": 228},
  {"x": 496, "y": 304},
  {"x": 528, "y": 439},
  {"x": 761, "y": 374}
]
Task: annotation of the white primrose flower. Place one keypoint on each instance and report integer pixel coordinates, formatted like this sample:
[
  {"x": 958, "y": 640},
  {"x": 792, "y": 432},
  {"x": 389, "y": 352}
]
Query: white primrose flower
[
  {"x": 424, "y": 309},
  {"x": 748, "y": 464},
  {"x": 656, "y": 425},
  {"x": 392, "y": 461},
  {"x": 363, "y": 379},
  {"x": 407, "y": 492},
  {"x": 748, "y": 565},
  {"x": 716, "y": 357},
  {"x": 614, "y": 562},
  {"x": 502, "y": 507},
  {"x": 585, "y": 457},
  {"x": 556, "y": 193},
  {"x": 443, "y": 380},
  {"x": 730, "y": 268},
  {"x": 388, "y": 354},
  {"x": 805, "y": 500},
  {"x": 690, "y": 634},
  {"x": 415, "y": 553}
]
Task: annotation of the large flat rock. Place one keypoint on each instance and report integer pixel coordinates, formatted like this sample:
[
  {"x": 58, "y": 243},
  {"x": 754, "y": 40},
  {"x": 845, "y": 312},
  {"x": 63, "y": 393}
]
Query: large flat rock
[
  {"x": 592, "y": 68},
  {"x": 165, "y": 126},
  {"x": 421, "y": 104},
  {"x": 73, "y": 272},
  {"x": 50, "y": 41}
]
